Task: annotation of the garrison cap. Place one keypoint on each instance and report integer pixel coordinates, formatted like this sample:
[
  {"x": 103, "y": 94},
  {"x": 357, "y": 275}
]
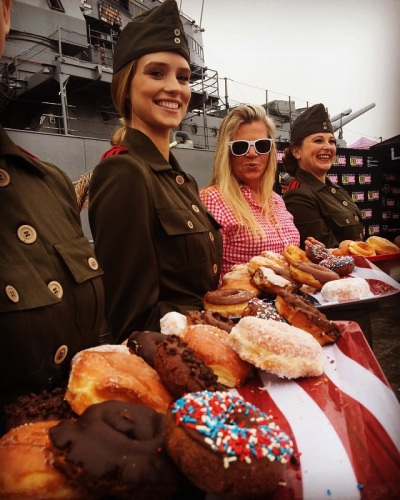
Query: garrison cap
[
  {"x": 156, "y": 30},
  {"x": 311, "y": 121}
]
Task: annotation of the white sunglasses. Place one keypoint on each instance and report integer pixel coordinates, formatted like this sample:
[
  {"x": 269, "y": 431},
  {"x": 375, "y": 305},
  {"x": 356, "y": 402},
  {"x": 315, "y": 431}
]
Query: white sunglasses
[{"x": 240, "y": 148}]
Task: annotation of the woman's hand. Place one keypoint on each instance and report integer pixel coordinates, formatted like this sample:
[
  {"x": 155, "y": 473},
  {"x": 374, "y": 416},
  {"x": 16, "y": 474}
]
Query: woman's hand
[{"x": 312, "y": 241}]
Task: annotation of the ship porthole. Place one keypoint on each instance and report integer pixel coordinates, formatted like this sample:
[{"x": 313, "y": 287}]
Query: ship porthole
[
  {"x": 193, "y": 129},
  {"x": 213, "y": 131}
]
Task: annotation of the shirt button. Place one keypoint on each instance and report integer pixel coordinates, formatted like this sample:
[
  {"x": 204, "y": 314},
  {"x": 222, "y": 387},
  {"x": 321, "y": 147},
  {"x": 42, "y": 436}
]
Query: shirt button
[
  {"x": 215, "y": 268},
  {"x": 4, "y": 178},
  {"x": 190, "y": 224},
  {"x": 12, "y": 294},
  {"x": 211, "y": 236},
  {"x": 345, "y": 203},
  {"x": 26, "y": 234},
  {"x": 333, "y": 190},
  {"x": 60, "y": 354},
  {"x": 56, "y": 288},
  {"x": 93, "y": 264},
  {"x": 195, "y": 208},
  {"x": 180, "y": 180}
]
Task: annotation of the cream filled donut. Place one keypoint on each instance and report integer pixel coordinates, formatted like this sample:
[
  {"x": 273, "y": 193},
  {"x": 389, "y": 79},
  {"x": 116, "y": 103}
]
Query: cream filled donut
[{"x": 346, "y": 289}]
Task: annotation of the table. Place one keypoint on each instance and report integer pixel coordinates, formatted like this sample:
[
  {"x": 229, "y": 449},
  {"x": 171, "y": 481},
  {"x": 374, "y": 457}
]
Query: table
[{"x": 345, "y": 424}]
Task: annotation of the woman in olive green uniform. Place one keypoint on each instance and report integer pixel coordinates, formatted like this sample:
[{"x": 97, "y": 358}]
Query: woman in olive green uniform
[
  {"x": 159, "y": 248},
  {"x": 320, "y": 209},
  {"x": 51, "y": 293}
]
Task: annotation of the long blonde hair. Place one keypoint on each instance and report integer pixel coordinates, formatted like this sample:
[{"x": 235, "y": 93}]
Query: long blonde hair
[
  {"x": 222, "y": 171},
  {"x": 120, "y": 87}
]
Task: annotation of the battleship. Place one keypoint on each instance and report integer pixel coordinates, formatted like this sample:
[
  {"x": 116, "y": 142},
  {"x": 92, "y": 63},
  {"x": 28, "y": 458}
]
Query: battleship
[{"x": 55, "y": 77}]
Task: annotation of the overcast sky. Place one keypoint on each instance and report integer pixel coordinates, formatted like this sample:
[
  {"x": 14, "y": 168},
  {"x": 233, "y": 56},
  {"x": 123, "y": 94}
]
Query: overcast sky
[{"x": 343, "y": 53}]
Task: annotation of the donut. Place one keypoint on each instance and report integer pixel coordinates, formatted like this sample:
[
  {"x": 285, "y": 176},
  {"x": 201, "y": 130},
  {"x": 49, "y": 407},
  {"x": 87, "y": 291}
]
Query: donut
[
  {"x": 42, "y": 407},
  {"x": 344, "y": 246},
  {"x": 382, "y": 246},
  {"x": 266, "y": 260},
  {"x": 262, "y": 309},
  {"x": 27, "y": 469},
  {"x": 316, "y": 253},
  {"x": 360, "y": 248},
  {"x": 270, "y": 282},
  {"x": 239, "y": 278},
  {"x": 228, "y": 301},
  {"x": 212, "y": 318},
  {"x": 311, "y": 274},
  {"x": 116, "y": 450},
  {"x": 342, "y": 265},
  {"x": 100, "y": 376},
  {"x": 226, "y": 446},
  {"x": 173, "y": 323},
  {"x": 181, "y": 370},
  {"x": 211, "y": 345},
  {"x": 301, "y": 313},
  {"x": 292, "y": 253},
  {"x": 144, "y": 344},
  {"x": 346, "y": 289},
  {"x": 278, "y": 348},
  {"x": 275, "y": 259}
]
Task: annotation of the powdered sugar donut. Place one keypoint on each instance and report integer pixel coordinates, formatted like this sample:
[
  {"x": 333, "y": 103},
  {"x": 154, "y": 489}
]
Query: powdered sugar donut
[
  {"x": 173, "y": 323},
  {"x": 346, "y": 289}
]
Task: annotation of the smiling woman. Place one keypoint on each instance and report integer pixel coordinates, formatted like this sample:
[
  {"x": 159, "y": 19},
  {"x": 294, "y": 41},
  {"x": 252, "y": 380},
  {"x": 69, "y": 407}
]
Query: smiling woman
[
  {"x": 321, "y": 209},
  {"x": 160, "y": 250}
]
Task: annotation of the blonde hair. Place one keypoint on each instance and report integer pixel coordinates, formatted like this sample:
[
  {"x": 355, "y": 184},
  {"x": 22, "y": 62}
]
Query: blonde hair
[
  {"x": 120, "y": 88},
  {"x": 222, "y": 171}
]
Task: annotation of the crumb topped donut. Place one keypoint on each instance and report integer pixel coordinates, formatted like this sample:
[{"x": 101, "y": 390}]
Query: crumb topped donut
[
  {"x": 116, "y": 449},
  {"x": 228, "y": 301},
  {"x": 226, "y": 445}
]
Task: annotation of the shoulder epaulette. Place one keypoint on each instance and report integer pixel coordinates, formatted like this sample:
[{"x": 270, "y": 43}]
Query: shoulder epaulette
[
  {"x": 27, "y": 152},
  {"x": 115, "y": 150},
  {"x": 293, "y": 184}
]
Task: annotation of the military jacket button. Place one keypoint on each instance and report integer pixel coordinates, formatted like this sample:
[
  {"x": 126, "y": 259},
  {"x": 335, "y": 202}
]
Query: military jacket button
[
  {"x": 180, "y": 180},
  {"x": 4, "y": 178},
  {"x": 357, "y": 218},
  {"x": 26, "y": 234},
  {"x": 56, "y": 288},
  {"x": 195, "y": 208},
  {"x": 211, "y": 236},
  {"x": 347, "y": 221},
  {"x": 215, "y": 268},
  {"x": 12, "y": 293},
  {"x": 60, "y": 354},
  {"x": 333, "y": 190},
  {"x": 93, "y": 264},
  {"x": 345, "y": 203},
  {"x": 177, "y": 32},
  {"x": 190, "y": 224},
  {"x": 177, "y": 40}
]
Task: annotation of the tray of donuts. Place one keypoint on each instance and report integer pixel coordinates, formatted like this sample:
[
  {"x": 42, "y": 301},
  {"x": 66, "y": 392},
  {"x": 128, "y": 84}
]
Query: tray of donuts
[
  {"x": 375, "y": 248},
  {"x": 316, "y": 274},
  {"x": 206, "y": 406},
  {"x": 161, "y": 416}
]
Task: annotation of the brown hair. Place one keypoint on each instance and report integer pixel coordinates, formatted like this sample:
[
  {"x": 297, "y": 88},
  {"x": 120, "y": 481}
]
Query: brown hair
[{"x": 120, "y": 87}]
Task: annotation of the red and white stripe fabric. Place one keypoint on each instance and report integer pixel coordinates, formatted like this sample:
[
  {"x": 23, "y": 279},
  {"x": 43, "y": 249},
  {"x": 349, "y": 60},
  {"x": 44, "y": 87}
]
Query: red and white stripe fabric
[{"x": 345, "y": 424}]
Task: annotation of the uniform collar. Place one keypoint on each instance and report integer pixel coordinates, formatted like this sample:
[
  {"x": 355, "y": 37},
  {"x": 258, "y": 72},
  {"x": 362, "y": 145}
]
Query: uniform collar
[
  {"x": 311, "y": 180},
  {"x": 135, "y": 140},
  {"x": 8, "y": 149}
]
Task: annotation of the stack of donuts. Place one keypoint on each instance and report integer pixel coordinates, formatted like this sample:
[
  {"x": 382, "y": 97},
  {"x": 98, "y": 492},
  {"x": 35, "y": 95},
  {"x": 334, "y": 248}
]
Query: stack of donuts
[{"x": 374, "y": 245}]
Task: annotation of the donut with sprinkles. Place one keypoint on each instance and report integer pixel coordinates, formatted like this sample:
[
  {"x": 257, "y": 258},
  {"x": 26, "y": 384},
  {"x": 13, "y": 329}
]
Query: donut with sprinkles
[{"x": 225, "y": 445}]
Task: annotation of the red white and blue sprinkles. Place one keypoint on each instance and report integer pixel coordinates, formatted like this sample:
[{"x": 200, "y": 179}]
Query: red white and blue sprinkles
[{"x": 233, "y": 426}]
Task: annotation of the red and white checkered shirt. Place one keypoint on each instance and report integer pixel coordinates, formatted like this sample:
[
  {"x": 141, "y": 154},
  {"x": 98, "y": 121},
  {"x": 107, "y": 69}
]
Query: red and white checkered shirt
[{"x": 238, "y": 245}]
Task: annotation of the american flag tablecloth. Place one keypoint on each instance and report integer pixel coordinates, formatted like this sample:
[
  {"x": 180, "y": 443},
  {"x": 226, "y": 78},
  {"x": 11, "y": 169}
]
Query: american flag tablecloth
[{"x": 345, "y": 424}]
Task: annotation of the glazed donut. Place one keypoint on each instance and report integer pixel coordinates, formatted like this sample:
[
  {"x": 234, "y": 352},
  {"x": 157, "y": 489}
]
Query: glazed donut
[
  {"x": 311, "y": 274},
  {"x": 27, "y": 469},
  {"x": 344, "y": 246},
  {"x": 239, "y": 278},
  {"x": 211, "y": 345},
  {"x": 346, "y": 289},
  {"x": 226, "y": 446},
  {"x": 275, "y": 259},
  {"x": 301, "y": 313},
  {"x": 228, "y": 301},
  {"x": 340, "y": 265},
  {"x": 181, "y": 370},
  {"x": 277, "y": 347},
  {"x": 360, "y": 248},
  {"x": 267, "y": 280},
  {"x": 266, "y": 261},
  {"x": 212, "y": 318},
  {"x": 382, "y": 246},
  {"x": 316, "y": 253},
  {"x": 144, "y": 344},
  {"x": 101, "y": 376},
  {"x": 116, "y": 450},
  {"x": 292, "y": 254}
]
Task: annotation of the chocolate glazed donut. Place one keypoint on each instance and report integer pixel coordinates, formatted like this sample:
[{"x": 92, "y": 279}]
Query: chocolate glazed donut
[{"x": 117, "y": 449}]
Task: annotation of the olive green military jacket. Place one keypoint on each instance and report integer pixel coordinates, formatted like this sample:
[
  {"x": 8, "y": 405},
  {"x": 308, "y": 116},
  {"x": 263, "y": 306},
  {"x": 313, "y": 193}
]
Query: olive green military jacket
[
  {"x": 51, "y": 292},
  {"x": 323, "y": 210},
  {"x": 159, "y": 248}
]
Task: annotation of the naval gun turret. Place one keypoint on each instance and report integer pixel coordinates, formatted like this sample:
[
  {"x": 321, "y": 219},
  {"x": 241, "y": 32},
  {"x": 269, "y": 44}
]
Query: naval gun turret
[{"x": 338, "y": 121}]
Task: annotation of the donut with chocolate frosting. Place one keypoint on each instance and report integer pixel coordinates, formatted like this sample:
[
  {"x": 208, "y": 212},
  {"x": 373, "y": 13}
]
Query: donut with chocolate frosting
[
  {"x": 312, "y": 274},
  {"x": 116, "y": 449},
  {"x": 144, "y": 344},
  {"x": 213, "y": 318},
  {"x": 181, "y": 370},
  {"x": 228, "y": 301}
]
